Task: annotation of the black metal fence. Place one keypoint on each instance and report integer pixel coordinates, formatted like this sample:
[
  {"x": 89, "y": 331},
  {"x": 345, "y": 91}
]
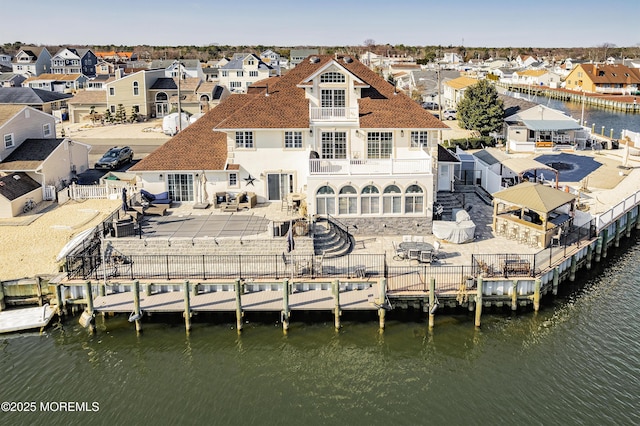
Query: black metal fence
[
  {"x": 203, "y": 267},
  {"x": 504, "y": 265},
  {"x": 417, "y": 278}
]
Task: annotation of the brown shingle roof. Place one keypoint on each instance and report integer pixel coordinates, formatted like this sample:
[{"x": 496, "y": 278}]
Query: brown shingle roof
[
  {"x": 89, "y": 97},
  {"x": 197, "y": 147},
  {"x": 8, "y": 111},
  {"x": 612, "y": 74}
]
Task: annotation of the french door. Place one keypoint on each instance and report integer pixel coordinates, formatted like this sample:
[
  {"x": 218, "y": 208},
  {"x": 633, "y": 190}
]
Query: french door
[{"x": 279, "y": 185}]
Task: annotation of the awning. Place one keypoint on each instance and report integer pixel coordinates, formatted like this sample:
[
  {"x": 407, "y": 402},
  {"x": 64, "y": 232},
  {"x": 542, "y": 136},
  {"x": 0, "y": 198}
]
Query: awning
[
  {"x": 521, "y": 165},
  {"x": 551, "y": 125}
]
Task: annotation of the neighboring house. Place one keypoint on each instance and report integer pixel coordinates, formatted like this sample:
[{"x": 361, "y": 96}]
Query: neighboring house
[
  {"x": 452, "y": 58},
  {"x": 5, "y": 60},
  {"x": 31, "y": 61},
  {"x": 208, "y": 95},
  {"x": 29, "y": 146},
  {"x": 492, "y": 173},
  {"x": 85, "y": 101},
  {"x": 43, "y": 100},
  {"x": 536, "y": 78},
  {"x": 15, "y": 190},
  {"x": 541, "y": 127},
  {"x": 187, "y": 68},
  {"x": 271, "y": 58},
  {"x": 599, "y": 78},
  {"x": 526, "y": 61},
  {"x": 454, "y": 89},
  {"x": 99, "y": 82},
  {"x": 244, "y": 70},
  {"x": 104, "y": 68},
  {"x": 504, "y": 74},
  {"x": 331, "y": 129},
  {"x": 210, "y": 73},
  {"x": 11, "y": 79},
  {"x": 60, "y": 83},
  {"x": 133, "y": 92},
  {"x": 74, "y": 61},
  {"x": 296, "y": 56},
  {"x": 164, "y": 91},
  {"x": 116, "y": 57}
]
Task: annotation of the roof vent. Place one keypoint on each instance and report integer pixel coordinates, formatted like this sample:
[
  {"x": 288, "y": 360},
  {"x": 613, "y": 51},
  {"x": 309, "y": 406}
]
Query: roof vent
[
  {"x": 16, "y": 177},
  {"x": 348, "y": 59},
  {"x": 314, "y": 60}
]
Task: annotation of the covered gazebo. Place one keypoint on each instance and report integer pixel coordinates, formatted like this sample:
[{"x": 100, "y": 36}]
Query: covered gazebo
[{"x": 532, "y": 213}]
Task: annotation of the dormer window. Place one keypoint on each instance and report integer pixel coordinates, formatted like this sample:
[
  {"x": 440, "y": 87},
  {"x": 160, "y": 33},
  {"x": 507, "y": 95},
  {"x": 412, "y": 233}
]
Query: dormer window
[{"x": 332, "y": 77}]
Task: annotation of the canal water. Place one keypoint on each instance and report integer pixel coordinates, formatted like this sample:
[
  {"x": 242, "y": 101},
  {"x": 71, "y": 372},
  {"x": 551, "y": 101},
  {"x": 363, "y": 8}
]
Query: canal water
[
  {"x": 577, "y": 361},
  {"x": 597, "y": 117}
]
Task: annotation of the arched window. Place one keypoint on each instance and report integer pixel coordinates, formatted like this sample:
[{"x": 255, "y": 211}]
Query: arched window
[
  {"x": 332, "y": 77},
  {"x": 136, "y": 90},
  {"x": 414, "y": 200},
  {"x": 370, "y": 200},
  {"x": 161, "y": 97},
  {"x": 325, "y": 200},
  {"x": 392, "y": 200},
  {"x": 348, "y": 200}
]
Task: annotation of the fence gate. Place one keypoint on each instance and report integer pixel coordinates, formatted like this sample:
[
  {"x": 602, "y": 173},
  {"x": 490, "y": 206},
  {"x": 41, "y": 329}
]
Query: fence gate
[{"x": 48, "y": 193}]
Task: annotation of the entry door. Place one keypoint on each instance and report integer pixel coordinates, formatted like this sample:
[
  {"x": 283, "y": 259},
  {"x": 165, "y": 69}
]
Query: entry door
[
  {"x": 444, "y": 178},
  {"x": 279, "y": 185},
  {"x": 180, "y": 187}
]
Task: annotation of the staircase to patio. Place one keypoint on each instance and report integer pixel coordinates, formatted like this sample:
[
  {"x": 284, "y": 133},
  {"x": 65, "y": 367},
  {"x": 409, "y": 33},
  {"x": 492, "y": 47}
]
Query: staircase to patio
[
  {"x": 449, "y": 201},
  {"x": 330, "y": 239}
]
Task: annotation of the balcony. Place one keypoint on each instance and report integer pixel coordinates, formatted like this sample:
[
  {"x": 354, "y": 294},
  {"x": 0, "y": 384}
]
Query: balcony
[
  {"x": 617, "y": 90},
  {"x": 385, "y": 166},
  {"x": 333, "y": 114}
]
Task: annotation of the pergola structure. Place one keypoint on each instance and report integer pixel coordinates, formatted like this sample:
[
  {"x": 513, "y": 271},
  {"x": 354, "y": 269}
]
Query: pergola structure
[
  {"x": 522, "y": 165},
  {"x": 532, "y": 213}
]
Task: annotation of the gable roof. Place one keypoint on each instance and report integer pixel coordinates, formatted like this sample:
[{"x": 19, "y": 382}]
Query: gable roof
[
  {"x": 538, "y": 197},
  {"x": 54, "y": 77},
  {"x": 446, "y": 156},
  {"x": 461, "y": 82},
  {"x": 380, "y": 106},
  {"x": 30, "y": 154},
  {"x": 513, "y": 105},
  {"x": 89, "y": 97},
  {"x": 15, "y": 185},
  {"x": 29, "y": 96},
  {"x": 611, "y": 74},
  {"x": 542, "y": 118}
]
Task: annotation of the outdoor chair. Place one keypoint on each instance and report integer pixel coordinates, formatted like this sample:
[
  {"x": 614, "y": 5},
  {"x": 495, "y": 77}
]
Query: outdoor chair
[
  {"x": 555, "y": 239},
  {"x": 414, "y": 255},
  {"x": 426, "y": 256}
]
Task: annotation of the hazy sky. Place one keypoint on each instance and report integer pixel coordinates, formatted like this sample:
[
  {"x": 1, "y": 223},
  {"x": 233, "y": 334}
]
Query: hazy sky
[{"x": 478, "y": 23}]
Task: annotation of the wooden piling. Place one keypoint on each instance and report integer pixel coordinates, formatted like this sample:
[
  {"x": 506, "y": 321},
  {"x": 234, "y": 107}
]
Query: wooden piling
[
  {"x": 382, "y": 297},
  {"x": 536, "y": 295},
  {"x": 239, "y": 314},
  {"x": 432, "y": 302},
  {"x": 628, "y": 226},
  {"x": 285, "y": 305},
  {"x": 335, "y": 290},
  {"x": 599, "y": 248},
  {"x": 59, "y": 300},
  {"x": 618, "y": 231},
  {"x": 605, "y": 242},
  {"x": 589, "y": 256},
  {"x": 573, "y": 268},
  {"x": 137, "y": 312},
  {"x": 39, "y": 289},
  {"x": 147, "y": 289},
  {"x": 556, "y": 280},
  {"x": 102, "y": 289},
  {"x": 2, "y": 305},
  {"x": 187, "y": 307},
  {"x": 88, "y": 291},
  {"x": 194, "y": 290},
  {"x": 514, "y": 295},
  {"x": 479, "y": 302}
]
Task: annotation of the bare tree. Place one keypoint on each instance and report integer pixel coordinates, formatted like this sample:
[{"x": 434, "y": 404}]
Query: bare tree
[
  {"x": 604, "y": 49},
  {"x": 369, "y": 43}
]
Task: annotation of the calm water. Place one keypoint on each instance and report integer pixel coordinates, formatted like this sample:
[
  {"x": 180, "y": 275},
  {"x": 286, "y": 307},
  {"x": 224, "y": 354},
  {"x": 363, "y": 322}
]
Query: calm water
[
  {"x": 575, "y": 362},
  {"x": 617, "y": 121}
]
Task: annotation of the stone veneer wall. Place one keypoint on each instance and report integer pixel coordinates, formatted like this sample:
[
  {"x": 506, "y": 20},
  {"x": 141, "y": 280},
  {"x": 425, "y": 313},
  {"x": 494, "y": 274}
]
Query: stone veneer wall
[
  {"x": 389, "y": 225},
  {"x": 199, "y": 246}
]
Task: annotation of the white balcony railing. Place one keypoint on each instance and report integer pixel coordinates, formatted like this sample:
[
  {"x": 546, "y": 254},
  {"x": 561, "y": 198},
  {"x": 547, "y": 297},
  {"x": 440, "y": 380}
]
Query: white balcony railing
[
  {"x": 333, "y": 114},
  {"x": 617, "y": 90},
  {"x": 370, "y": 167}
]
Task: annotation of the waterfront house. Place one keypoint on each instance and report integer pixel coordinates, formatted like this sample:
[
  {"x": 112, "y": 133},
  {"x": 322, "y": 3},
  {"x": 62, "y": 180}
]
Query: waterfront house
[
  {"x": 184, "y": 68},
  {"x": 536, "y": 78},
  {"x": 601, "y": 78},
  {"x": 296, "y": 56},
  {"x": 32, "y": 60},
  {"x": 541, "y": 127},
  {"x": 331, "y": 130}
]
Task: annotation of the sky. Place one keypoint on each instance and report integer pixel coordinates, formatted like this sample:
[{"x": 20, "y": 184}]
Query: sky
[{"x": 284, "y": 23}]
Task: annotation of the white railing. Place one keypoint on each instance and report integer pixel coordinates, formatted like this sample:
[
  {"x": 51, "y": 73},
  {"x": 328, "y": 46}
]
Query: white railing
[
  {"x": 611, "y": 215},
  {"x": 617, "y": 90},
  {"x": 86, "y": 192},
  {"x": 48, "y": 192},
  {"x": 333, "y": 114},
  {"x": 370, "y": 167}
]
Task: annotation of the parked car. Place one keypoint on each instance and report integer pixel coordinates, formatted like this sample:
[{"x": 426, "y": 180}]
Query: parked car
[
  {"x": 115, "y": 157},
  {"x": 430, "y": 105},
  {"x": 449, "y": 114}
]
